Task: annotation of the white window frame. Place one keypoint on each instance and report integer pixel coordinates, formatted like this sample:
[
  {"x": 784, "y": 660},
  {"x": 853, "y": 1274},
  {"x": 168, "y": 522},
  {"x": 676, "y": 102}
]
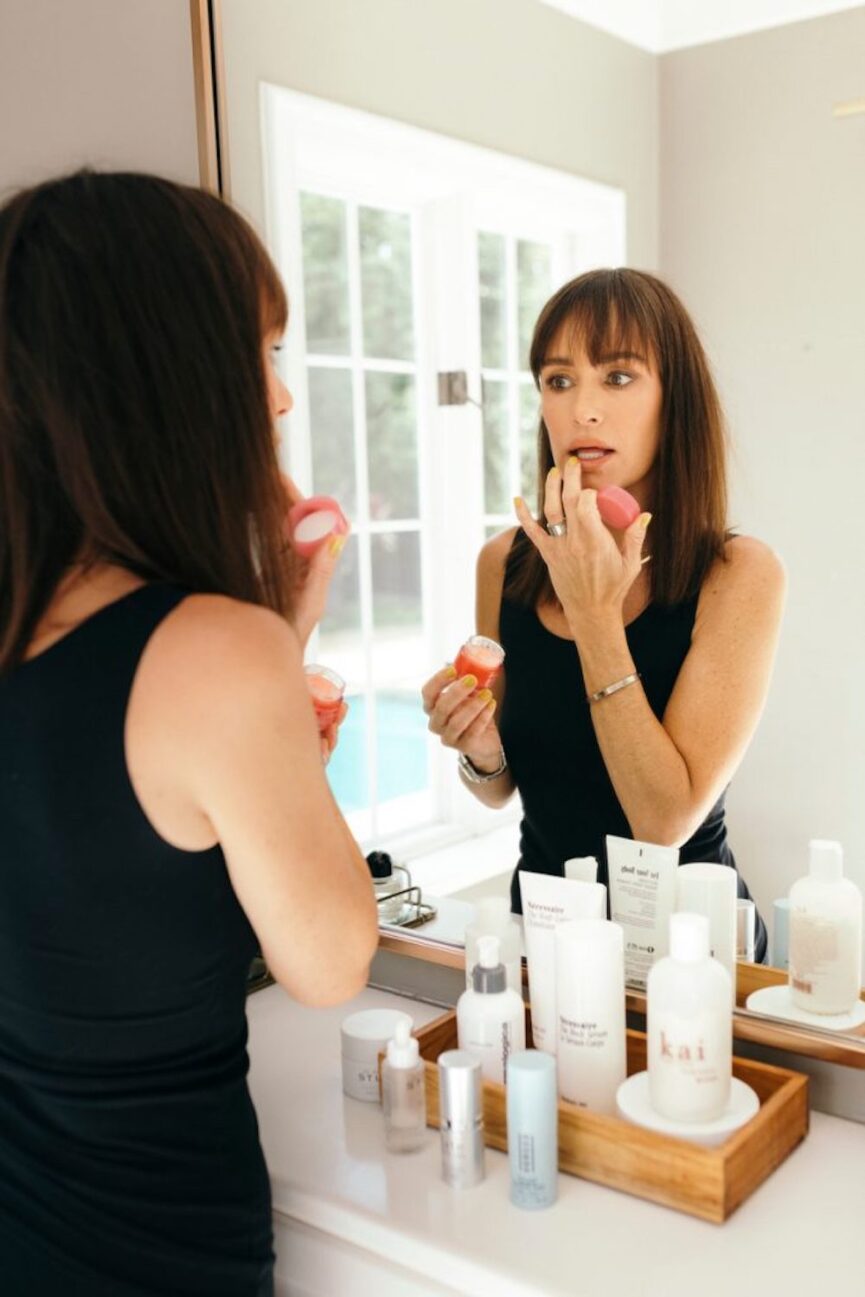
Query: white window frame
[{"x": 453, "y": 190}]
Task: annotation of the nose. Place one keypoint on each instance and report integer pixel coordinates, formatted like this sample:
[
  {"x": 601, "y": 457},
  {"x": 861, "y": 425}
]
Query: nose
[
  {"x": 281, "y": 399},
  {"x": 585, "y": 411}
]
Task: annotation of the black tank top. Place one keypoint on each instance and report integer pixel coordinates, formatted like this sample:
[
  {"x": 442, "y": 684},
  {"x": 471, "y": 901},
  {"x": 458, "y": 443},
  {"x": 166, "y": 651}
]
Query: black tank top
[
  {"x": 130, "y": 1164},
  {"x": 569, "y": 804}
]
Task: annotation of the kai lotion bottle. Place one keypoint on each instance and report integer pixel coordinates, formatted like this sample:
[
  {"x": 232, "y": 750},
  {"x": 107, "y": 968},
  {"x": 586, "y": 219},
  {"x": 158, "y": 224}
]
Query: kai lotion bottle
[
  {"x": 689, "y": 1023},
  {"x": 825, "y": 934}
]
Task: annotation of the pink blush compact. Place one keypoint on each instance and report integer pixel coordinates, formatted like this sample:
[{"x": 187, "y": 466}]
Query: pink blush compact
[{"x": 617, "y": 507}]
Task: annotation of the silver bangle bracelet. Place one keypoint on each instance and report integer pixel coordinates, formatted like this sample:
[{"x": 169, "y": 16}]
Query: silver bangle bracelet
[
  {"x": 475, "y": 776},
  {"x": 613, "y": 688}
]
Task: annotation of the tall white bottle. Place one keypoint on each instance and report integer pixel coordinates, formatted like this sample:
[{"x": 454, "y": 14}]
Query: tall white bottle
[
  {"x": 493, "y": 918},
  {"x": 689, "y": 1025},
  {"x": 590, "y": 1010},
  {"x": 491, "y": 1018},
  {"x": 825, "y": 938}
]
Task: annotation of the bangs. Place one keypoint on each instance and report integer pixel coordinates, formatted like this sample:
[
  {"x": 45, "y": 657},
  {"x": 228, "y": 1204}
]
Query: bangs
[
  {"x": 274, "y": 303},
  {"x": 599, "y": 312}
]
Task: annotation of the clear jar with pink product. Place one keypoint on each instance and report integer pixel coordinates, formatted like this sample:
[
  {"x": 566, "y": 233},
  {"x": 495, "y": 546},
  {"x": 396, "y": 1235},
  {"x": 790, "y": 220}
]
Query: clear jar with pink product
[
  {"x": 327, "y": 690},
  {"x": 480, "y": 657}
]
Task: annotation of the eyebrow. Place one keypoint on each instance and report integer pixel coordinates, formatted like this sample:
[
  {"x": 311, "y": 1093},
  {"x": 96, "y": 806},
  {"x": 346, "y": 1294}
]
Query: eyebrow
[{"x": 602, "y": 360}]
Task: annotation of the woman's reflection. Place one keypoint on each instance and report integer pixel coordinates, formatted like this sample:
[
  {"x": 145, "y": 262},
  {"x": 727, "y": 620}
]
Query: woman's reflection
[{"x": 681, "y": 617}]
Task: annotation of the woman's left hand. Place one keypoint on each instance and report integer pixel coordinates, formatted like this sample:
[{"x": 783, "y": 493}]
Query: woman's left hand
[
  {"x": 330, "y": 736},
  {"x": 590, "y": 573}
]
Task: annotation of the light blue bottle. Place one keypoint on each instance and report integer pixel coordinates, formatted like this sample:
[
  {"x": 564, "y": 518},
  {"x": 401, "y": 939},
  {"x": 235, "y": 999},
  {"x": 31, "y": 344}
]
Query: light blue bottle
[{"x": 533, "y": 1122}]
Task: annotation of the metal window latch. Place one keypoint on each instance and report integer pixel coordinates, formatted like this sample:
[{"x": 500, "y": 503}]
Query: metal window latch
[{"x": 454, "y": 388}]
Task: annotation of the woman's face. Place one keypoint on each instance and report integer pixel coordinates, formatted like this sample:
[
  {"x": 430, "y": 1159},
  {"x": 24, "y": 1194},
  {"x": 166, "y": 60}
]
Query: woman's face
[
  {"x": 279, "y": 398},
  {"x": 608, "y": 415}
]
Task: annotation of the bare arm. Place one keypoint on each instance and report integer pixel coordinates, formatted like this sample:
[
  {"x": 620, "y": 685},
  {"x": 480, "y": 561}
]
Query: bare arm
[{"x": 245, "y": 750}]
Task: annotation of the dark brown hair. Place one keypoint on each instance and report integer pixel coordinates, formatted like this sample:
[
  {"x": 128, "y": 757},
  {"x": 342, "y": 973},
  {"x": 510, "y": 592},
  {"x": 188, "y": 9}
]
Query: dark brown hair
[
  {"x": 615, "y": 311},
  {"x": 134, "y": 419}
]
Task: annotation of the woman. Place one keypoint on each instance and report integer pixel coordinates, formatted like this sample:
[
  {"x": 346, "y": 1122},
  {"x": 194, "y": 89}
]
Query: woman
[
  {"x": 637, "y": 662},
  {"x": 163, "y": 804}
]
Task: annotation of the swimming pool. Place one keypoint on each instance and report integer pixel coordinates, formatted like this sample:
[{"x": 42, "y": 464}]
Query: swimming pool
[{"x": 401, "y": 750}]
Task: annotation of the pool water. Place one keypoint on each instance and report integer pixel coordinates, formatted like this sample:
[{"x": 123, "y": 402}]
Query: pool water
[{"x": 401, "y": 750}]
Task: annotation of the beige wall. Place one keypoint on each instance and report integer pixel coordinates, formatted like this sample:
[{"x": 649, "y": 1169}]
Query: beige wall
[
  {"x": 105, "y": 82},
  {"x": 763, "y": 233},
  {"x": 512, "y": 75}
]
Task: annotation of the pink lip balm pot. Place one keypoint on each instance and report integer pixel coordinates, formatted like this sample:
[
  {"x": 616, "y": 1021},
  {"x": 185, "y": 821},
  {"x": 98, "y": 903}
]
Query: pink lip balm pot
[
  {"x": 311, "y": 521},
  {"x": 617, "y": 507},
  {"x": 326, "y": 689}
]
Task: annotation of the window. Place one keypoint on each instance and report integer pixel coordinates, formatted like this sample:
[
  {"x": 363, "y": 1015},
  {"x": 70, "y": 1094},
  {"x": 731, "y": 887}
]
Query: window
[{"x": 406, "y": 254}]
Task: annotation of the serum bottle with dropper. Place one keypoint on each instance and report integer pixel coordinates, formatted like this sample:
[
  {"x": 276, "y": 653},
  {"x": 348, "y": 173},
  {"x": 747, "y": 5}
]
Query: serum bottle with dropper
[{"x": 403, "y": 1092}]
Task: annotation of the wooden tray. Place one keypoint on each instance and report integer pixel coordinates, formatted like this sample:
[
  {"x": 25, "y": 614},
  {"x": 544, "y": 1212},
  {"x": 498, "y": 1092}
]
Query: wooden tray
[{"x": 705, "y": 1182}]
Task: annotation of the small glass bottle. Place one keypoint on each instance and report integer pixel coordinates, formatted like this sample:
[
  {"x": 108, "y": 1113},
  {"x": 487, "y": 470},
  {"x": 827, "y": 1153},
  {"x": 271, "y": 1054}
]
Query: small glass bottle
[
  {"x": 387, "y": 879},
  {"x": 403, "y": 1093}
]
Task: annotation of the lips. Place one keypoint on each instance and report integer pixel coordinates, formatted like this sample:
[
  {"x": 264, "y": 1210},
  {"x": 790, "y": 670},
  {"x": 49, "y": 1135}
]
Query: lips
[{"x": 591, "y": 455}]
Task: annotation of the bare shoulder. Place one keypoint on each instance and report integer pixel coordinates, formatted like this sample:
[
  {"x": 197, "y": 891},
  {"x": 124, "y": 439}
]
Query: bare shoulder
[
  {"x": 221, "y": 646},
  {"x": 493, "y": 556},
  {"x": 750, "y": 575}
]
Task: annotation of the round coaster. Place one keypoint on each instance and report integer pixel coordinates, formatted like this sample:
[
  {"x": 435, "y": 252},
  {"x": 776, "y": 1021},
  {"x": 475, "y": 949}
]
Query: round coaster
[
  {"x": 777, "y": 1002},
  {"x": 632, "y": 1100}
]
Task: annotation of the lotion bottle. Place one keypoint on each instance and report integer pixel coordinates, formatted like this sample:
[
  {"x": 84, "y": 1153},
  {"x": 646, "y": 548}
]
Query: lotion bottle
[
  {"x": 825, "y": 934},
  {"x": 689, "y": 1026},
  {"x": 491, "y": 1018},
  {"x": 403, "y": 1091}
]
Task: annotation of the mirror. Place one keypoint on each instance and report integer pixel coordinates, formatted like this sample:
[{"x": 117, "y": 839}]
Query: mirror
[{"x": 730, "y": 163}]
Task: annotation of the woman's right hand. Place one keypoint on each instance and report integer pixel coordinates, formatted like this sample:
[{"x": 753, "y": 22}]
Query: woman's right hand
[
  {"x": 315, "y": 573},
  {"x": 463, "y": 717}
]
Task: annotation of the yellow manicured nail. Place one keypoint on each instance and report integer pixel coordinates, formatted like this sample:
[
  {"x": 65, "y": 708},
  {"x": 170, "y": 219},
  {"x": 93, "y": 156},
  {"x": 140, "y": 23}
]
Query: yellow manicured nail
[
  {"x": 485, "y": 695},
  {"x": 554, "y": 472},
  {"x": 573, "y": 459},
  {"x": 451, "y": 671},
  {"x": 491, "y": 707},
  {"x": 336, "y": 546},
  {"x": 518, "y": 502},
  {"x": 469, "y": 681},
  {"x": 645, "y": 519}
]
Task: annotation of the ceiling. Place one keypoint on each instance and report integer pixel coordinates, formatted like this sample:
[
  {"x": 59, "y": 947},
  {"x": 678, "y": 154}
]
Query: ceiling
[{"x": 662, "y": 25}]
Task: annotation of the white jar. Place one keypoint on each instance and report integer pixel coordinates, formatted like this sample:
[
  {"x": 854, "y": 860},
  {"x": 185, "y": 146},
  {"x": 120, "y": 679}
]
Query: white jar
[
  {"x": 689, "y": 1026},
  {"x": 364, "y": 1035},
  {"x": 825, "y": 937}
]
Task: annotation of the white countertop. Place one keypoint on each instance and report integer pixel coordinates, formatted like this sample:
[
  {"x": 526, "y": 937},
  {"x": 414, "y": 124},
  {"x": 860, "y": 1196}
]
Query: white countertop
[{"x": 798, "y": 1234}]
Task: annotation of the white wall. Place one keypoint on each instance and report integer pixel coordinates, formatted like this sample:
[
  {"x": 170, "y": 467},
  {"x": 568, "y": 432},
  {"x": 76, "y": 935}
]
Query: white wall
[
  {"x": 104, "y": 82},
  {"x": 763, "y": 233},
  {"x": 512, "y": 75}
]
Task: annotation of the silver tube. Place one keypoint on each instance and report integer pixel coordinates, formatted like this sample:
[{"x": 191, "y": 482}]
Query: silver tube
[{"x": 462, "y": 1119}]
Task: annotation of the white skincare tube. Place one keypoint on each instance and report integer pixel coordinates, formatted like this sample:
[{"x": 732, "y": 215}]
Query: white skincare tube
[
  {"x": 590, "y": 1005},
  {"x": 710, "y": 889},
  {"x": 547, "y": 902},
  {"x": 642, "y": 898}
]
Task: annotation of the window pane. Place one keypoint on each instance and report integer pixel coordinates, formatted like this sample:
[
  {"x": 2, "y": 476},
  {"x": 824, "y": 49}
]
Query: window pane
[
  {"x": 325, "y": 274},
  {"x": 339, "y": 637},
  {"x": 401, "y": 743},
  {"x": 492, "y": 288},
  {"x": 396, "y": 588},
  {"x": 332, "y": 432},
  {"x": 391, "y": 435},
  {"x": 386, "y": 284},
  {"x": 497, "y": 496},
  {"x": 347, "y": 768},
  {"x": 529, "y": 419},
  {"x": 533, "y": 289}
]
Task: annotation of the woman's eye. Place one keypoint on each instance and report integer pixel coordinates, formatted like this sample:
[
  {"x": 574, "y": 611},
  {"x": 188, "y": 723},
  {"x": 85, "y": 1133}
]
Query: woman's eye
[
  {"x": 618, "y": 378},
  {"x": 558, "y": 382}
]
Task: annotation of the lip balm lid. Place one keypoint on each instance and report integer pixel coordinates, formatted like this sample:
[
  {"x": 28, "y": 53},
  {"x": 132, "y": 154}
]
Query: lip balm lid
[{"x": 459, "y": 1088}]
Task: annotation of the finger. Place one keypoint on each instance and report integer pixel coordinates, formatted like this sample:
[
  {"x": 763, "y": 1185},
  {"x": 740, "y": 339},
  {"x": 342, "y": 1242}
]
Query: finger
[
  {"x": 461, "y": 720},
  {"x": 449, "y": 702},
  {"x": 633, "y": 540},
  {"x": 572, "y": 485},
  {"x": 343, "y": 712},
  {"x": 553, "y": 511},
  {"x": 536, "y": 534},
  {"x": 430, "y": 691}
]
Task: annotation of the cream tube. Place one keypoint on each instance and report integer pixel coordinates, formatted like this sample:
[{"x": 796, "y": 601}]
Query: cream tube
[
  {"x": 590, "y": 1008},
  {"x": 642, "y": 898},
  {"x": 548, "y": 901},
  {"x": 710, "y": 889}
]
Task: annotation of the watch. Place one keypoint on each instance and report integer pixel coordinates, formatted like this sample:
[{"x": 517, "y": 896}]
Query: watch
[{"x": 475, "y": 776}]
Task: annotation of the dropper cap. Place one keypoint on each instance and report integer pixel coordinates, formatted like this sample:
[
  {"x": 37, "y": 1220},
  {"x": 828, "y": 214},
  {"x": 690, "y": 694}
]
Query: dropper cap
[
  {"x": 403, "y": 1050},
  {"x": 826, "y": 860},
  {"x": 689, "y": 937},
  {"x": 489, "y": 974}
]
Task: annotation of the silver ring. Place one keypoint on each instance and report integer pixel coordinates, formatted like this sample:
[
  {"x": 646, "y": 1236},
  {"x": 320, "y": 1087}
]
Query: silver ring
[{"x": 557, "y": 528}]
